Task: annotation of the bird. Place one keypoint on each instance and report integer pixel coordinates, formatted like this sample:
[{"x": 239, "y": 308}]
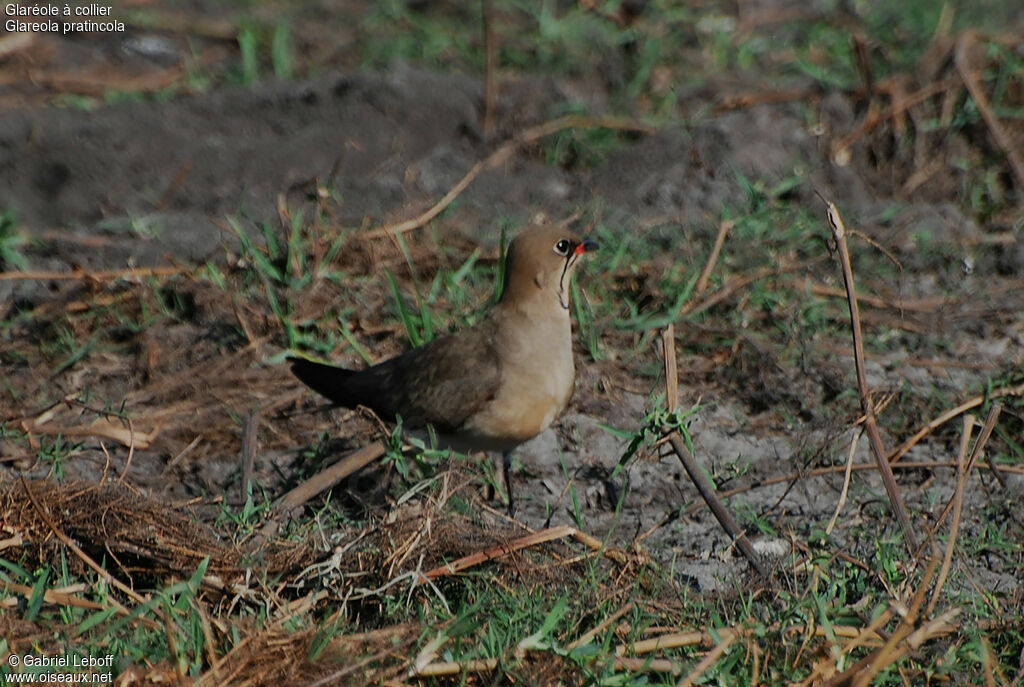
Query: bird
[{"x": 492, "y": 386}]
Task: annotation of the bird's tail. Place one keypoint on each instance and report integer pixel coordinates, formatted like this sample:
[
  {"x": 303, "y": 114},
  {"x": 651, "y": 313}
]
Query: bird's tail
[{"x": 327, "y": 380}]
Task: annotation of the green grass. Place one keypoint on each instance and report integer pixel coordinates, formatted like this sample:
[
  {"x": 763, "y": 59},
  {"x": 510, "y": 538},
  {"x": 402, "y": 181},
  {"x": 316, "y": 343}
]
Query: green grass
[
  {"x": 11, "y": 243},
  {"x": 99, "y": 633},
  {"x": 526, "y": 627}
]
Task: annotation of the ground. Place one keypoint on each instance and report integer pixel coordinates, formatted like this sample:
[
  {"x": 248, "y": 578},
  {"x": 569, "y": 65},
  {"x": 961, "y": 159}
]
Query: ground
[{"x": 180, "y": 219}]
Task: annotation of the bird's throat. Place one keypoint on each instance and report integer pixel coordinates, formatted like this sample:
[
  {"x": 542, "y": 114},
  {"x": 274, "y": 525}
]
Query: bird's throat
[{"x": 563, "y": 282}]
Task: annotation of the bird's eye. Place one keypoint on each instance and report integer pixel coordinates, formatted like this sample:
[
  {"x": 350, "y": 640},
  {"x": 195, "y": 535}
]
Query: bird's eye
[{"x": 563, "y": 247}]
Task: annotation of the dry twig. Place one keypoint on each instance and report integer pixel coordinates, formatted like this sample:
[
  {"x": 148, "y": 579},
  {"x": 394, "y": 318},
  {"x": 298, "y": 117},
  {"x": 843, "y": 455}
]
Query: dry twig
[
  {"x": 704, "y": 485},
  {"x": 963, "y": 67},
  {"x": 529, "y": 540},
  {"x": 903, "y": 449},
  {"x": 956, "y": 502},
  {"x": 323, "y": 480},
  {"x": 600, "y": 627},
  {"x": 723, "y": 230},
  {"x": 846, "y": 482},
  {"x": 964, "y": 470},
  {"x": 708, "y": 661},
  {"x": 871, "y": 425},
  {"x": 98, "y": 275}
]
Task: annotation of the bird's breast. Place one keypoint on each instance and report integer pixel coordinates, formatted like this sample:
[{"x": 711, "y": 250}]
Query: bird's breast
[{"x": 537, "y": 378}]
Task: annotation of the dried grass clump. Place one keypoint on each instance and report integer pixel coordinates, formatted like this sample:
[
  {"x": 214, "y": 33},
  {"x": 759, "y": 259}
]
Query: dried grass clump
[{"x": 139, "y": 534}]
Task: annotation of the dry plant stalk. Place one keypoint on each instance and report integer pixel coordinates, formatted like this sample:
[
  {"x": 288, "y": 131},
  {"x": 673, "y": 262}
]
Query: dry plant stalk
[
  {"x": 841, "y": 148},
  {"x": 676, "y": 640},
  {"x": 705, "y": 276},
  {"x": 721, "y": 513},
  {"x": 668, "y": 346},
  {"x": 846, "y": 482},
  {"x": 529, "y": 540},
  {"x": 963, "y": 67},
  {"x": 101, "y": 427},
  {"x": 834, "y": 469},
  {"x": 695, "y": 306},
  {"x": 744, "y": 101},
  {"x": 956, "y": 502},
  {"x": 707, "y": 661},
  {"x": 697, "y": 476},
  {"x": 601, "y": 627},
  {"x": 58, "y": 597},
  {"x": 870, "y": 424},
  {"x": 99, "y": 275},
  {"x": 945, "y": 417},
  {"x": 482, "y": 665},
  {"x": 963, "y": 470},
  {"x": 925, "y": 305},
  {"x": 898, "y": 644},
  {"x": 323, "y": 480}
]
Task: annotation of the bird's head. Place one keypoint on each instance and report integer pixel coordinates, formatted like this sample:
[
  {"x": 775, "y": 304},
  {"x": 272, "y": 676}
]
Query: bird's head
[{"x": 539, "y": 264}]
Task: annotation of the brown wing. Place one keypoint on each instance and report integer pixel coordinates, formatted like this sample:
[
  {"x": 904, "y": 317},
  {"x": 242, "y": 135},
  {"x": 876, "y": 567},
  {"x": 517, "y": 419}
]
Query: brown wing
[
  {"x": 441, "y": 383},
  {"x": 447, "y": 380}
]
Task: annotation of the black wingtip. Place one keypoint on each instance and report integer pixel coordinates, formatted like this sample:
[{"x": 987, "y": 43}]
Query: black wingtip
[
  {"x": 301, "y": 367},
  {"x": 327, "y": 380}
]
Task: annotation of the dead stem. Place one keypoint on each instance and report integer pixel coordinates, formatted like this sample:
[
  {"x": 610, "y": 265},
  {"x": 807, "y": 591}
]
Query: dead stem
[
  {"x": 323, "y": 480},
  {"x": 961, "y": 58},
  {"x": 870, "y": 424},
  {"x": 700, "y": 480},
  {"x": 945, "y": 417}
]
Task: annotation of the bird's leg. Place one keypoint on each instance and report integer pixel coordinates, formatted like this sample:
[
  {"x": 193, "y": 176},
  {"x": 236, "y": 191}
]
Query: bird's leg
[{"x": 506, "y": 468}]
